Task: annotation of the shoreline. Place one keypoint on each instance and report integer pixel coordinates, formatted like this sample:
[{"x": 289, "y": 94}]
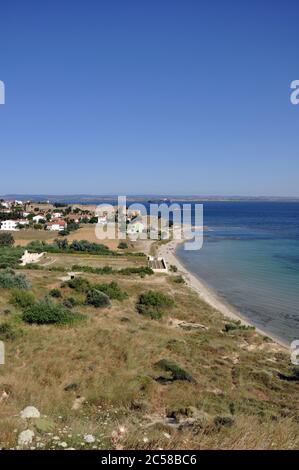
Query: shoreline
[{"x": 207, "y": 294}]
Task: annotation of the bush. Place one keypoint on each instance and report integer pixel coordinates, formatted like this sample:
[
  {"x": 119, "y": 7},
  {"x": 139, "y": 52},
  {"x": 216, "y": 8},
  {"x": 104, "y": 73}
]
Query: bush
[
  {"x": 142, "y": 270},
  {"x": 148, "y": 311},
  {"x": 47, "y": 312},
  {"x": 79, "y": 284},
  {"x": 86, "y": 246},
  {"x": 22, "y": 298},
  {"x": 123, "y": 246},
  {"x": 152, "y": 303},
  {"x": 10, "y": 257},
  {"x": 178, "y": 280},
  {"x": 70, "y": 302},
  {"x": 55, "y": 293},
  {"x": 8, "y": 331},
  {"x": 173, "y": 268},
  {"x": 112, "y": 290},
  {"x": 97, "y": 298},
  {"x": 6, "y": 239},
  {"x": 237, "y": 325},
  {"x": 9, "y": 279},
  {"x": 176, "y": 371}
]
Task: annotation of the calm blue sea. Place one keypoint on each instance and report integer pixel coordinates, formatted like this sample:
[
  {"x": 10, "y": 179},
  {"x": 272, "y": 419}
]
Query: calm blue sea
[{"x": 251, "y": 258}]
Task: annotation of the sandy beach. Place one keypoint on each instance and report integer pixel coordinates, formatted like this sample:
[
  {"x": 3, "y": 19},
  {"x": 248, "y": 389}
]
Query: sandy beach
[{"x": 168, "y": 252}]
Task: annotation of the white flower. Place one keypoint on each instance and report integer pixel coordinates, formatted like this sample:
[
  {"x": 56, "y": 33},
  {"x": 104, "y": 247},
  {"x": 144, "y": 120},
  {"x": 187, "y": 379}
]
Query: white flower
[{"x": 89, "y": 438}]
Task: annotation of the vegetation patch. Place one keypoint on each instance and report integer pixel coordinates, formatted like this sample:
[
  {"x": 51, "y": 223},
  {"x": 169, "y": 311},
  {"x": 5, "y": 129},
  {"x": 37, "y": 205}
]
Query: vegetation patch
[
  {"x": 97, "y": 299},
  {"x": 10, "y": 257},
  {"x": 6, "y": 239},
  {"x": 56, "y": 293},
  {"x": 176, "y": 372},
  {"x": 237, "y": 325},
  {"x": 9, "y": 279},
  {"x": 153, "y": 303},
  {"x": 22, "y": 298},
  {"x": 112, "y": 290},
  {"x": 9, "y": 331},
  {"x": 47, "y": 312},
  {"x": 79, "y": 284},
  {"x": 141, "y": 270}
]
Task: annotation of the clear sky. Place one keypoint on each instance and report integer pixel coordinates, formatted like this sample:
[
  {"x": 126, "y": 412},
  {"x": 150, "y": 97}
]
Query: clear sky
[{"x": 149, "y": 96}]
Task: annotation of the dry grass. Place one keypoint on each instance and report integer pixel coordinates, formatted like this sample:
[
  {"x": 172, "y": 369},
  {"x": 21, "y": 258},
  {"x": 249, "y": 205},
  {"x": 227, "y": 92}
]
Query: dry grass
[
  {"x": 25, "y": 236},
  {"x": 111, "y": 360}
]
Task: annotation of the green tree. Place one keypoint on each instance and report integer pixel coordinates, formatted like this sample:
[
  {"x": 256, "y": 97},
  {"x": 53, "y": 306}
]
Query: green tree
[{"x": 6, "y": 239}]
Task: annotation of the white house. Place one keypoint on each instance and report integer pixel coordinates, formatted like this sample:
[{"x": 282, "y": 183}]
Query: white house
[
  {"x": 56, "y": 215},
  {"x": 37, "y": 218},
  {"x": 56, "y": 225},
  {"x": 9, "y": 225},
  {"x": 23, "y": 222}
]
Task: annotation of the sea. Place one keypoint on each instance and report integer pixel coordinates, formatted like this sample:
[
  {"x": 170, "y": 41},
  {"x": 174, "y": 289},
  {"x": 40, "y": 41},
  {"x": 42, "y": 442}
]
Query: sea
[{"x": 250, "y": 257}]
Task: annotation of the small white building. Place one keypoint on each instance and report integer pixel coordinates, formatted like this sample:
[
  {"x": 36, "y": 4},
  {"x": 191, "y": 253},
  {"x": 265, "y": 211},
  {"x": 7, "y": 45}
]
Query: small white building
[
  {"x": 9, "y": 225},
  {"x": 23, "y": 222},
  {"x": 37, "y": 218},
  {"x": 56, "y": 225},
  {"x": 56, "y": 215},
  {"x": 158, "y": 265}
]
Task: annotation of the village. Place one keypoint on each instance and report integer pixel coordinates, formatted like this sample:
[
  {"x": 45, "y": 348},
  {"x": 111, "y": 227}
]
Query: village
[{"x": 16, "y": 215}]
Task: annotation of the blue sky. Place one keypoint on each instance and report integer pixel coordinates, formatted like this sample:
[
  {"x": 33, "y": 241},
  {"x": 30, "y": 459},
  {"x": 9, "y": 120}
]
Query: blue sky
[{"x": 151, "y": 96}]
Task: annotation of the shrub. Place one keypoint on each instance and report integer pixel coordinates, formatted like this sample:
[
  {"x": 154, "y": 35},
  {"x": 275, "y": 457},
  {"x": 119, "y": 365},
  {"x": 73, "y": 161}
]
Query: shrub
[
  {"x": 152, "y": 303},
  {"x": 173, "y": 268},
  {"x": 178, "y": 280},
  {"x": 9, "y": 279},
  {"x": 8, "y": 331},
  {"x": 112, "y": 290},
  {"x": 6, "y": 239},
  {"x": 55, "y": 293},
  {"x": 47, "y": 312},
  {"x": 176, "y": 371},
  {"x": 22, "y": 298},
  {"x": 10, "y": 257},
  {"x": 123, "y": 246},
  {"x": 97, "y": 298},
  {"x": 70, "y": 302},
  {"x": 86, "y": 246},
  {"x": 79, "y": 284},
  {"x": 148, "y": 311},
  {"x": 237, "y": 325}
]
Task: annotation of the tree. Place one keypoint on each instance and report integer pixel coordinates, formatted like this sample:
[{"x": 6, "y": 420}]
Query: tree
[{"x": 6, "y": 239}]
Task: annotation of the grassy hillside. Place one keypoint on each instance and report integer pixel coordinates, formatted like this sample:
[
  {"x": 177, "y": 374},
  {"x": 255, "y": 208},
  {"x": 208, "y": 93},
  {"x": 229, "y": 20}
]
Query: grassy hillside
[{"x": 189, "y": 380}]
